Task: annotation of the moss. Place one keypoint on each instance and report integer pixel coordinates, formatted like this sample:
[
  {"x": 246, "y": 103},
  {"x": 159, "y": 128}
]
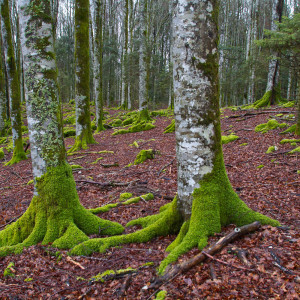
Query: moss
[
  {"x": 144, "y": 155},
  {"x": 68, "y": 132},
  {"x": 98, "y": 159},
  {"x": 125, "y": 196},
  {"x": 244, "y": 144},
  {"x": 127, "y": 121},
  {"x": 28, "y": 279},
  {"x": 296, "y": 150},
  {"x": 266, "y": 100},
  {"x": 54, "y": 216},
  {"x": 116, "y": 123},
  {"x": 30, "y": 182},
  {"x": 291, "y": 129},
  {"x": 170, "y": 128},
  {"x": 162, "y": 112},
  {"x": 69, "y": 120},
  {"x": 9, "y": 271},
  {"x": 76, "y": 167},
  {"x": 18, "y": 153},
  {"x": 288, "y": 104},
  {"x": 229, "y": 138},
  {"x": 106, "y": 275},
  {"x": 82, "y": 141},
  {"x": 161, "y": 295},
  {"x": 271, "y": 149},
  {"x": 1, "y": 153},
  {"x": 285, "y": 141},
  {"x": 270, "y": 125},
  {"x": 122, "y": 201},
  {"x": 134, "y": 144},
  {"x": 260, "y": 166}
]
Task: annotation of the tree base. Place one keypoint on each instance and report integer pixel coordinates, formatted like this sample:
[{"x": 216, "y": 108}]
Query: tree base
[
  {"x": 18, "y": 155},
  {"x": 54, "y": 216},
  {"x": 81, "y": 142},
  {"x": 215, "y": 204},
  {"x": 268, "y": 99}
]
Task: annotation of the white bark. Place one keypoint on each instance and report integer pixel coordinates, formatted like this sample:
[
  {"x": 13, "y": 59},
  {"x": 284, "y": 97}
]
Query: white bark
[
  {"x": 193, "y": 92},
  {"x": 142, "y": 58},
  {"x": 46, "y": 141}
]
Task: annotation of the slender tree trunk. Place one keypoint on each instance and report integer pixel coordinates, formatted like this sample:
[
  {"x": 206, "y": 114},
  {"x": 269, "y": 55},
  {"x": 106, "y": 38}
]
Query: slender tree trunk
[
  {"x": 13, "y": 84},
  {"x": 2, "y": 93},
  {"x": 82, "y": 77},
  {"x": 99, "y": 63}
]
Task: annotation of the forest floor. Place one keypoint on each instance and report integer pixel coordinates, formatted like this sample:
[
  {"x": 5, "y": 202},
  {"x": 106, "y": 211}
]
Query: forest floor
[{"x": 268, "y": 183}]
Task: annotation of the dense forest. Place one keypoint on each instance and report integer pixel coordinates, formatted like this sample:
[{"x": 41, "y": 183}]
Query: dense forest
[{"x": 86, "y": 86}]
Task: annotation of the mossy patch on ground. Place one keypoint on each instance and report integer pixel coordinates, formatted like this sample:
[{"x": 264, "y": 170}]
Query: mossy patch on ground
[
  {"x": 229, "y": 138},
  {"x": 271, "y": 149},
  {"x": 1, "y": 153},
  {"x": 170, "y": 128},
  {"x": 144, "y": 155},
  {"x": 270, "y": 125}
]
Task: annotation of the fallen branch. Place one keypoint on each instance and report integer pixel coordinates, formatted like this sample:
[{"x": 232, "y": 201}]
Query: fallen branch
[
  {"x": 217, "y": 247},
  {"x": 241, "y": 255},
  {"x": 258, "y": 113},
  {"x": 106, "y": 184},
  {"x": 110, "y": 165},
  {"x": 165, "y": 166}
]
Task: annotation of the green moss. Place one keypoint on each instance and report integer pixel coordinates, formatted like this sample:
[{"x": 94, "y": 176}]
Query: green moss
[
  {"x": 288, "y": 104},
  {"x": 260, "y": 166},
  {"x": 285, "y": 141},
  {"x": 9, "y": 270},
  {"x": 69, "y": 132},
  {"x": 291, "y": 129},
  {"x": 108, "y": 274},
  {"x": 170, "y": 128},
  {"x": 69, "y": 120},
  {"x": 161, "y": 295},
  {"x": 229, "y": 138},
  {"x": 109, "y": 206},
  {"x": 162, "y": 112},
  {"x": 18, "y": 153},
  {"x": 116, "y": 123},
  {"x": 134, "y": 144},
  {"x": 98, "y": 159},
  {"x": 76, "y": 167},
  {"x": 54, "y": 216},
  {"x": 265, "y": 101},
  {"x": 125, "y": 196},
  {"x": 28, "y": 279},
  {"x": 1, "y": 153},
  {"x": 244, "y": 144},
  {"x": 144, "y": 155},
  {"x": 82, "y": 141},
  {"x": 270, "y": 125},
  {"x": 296, "y": 150},
  {"x": 271, "y": 149},
  {"x": 128, "y": 121},
  {"x": 30, "y": 182}
]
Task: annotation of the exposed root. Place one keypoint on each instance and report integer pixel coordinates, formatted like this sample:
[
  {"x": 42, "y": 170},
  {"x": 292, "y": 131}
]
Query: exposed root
[{"x": 18, "y": 154}]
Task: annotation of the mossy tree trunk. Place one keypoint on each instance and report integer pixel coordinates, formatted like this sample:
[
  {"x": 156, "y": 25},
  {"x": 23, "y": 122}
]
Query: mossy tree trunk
[
  {"x": 13, "y": 84},
  {"x": 143, "y": 92},
  {"x": 272, "y": 94},
  {"x": 84, "y": 134},
  {"x": 99, "y": 63},
  {"x": 206, "y": 200},
  {"x": 2, "y": 94},
  {"x": 297, "y": 132},
  {"x": 55, "y": 214}
]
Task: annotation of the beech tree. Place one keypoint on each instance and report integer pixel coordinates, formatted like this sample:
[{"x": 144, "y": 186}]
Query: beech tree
[
  {"x": 55, "y": 214},
  {"x": 14, "y": 92},
  {"x": 2, "y": 94},
  {"x": 206, "y": 200},
  {"x": 84, "y": 134}
]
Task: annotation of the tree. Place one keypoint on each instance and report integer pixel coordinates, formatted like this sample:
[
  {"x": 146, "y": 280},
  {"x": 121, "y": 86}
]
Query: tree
[
  {"x": 205, "y": 200},
  {"x": 84, "y": 134},
  {"x": 13, "y": 84},
  {"x": 272, "y": 96},
  {"x": 55, "y": 214},
  {"x": 99, "y": 63},
  {"x": 286, "y": 42},
  {"x": 2, "y": 94}
]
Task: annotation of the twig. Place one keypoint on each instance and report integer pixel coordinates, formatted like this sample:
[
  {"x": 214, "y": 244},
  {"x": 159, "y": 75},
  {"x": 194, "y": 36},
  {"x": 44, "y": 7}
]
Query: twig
[
  {"x": 165, "y": 166},
  {"x": 225, "y": 263},
  {"x": 105, "y": 184}
]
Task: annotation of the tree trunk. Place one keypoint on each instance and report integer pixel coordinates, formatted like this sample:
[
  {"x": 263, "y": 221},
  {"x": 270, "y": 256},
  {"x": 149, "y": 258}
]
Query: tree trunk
[
  {"x": 55, "y": 214},
  {"x": 13, "y": 84},
  {"x": 82, "y": 78},
  {"x": 99, "y": 63},
  {"x": 2, "y": 94}
]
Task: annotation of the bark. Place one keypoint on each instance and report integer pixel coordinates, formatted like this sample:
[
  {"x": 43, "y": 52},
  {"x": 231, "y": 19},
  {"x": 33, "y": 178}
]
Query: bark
[
  {"x": 2, "y": 94},
  {"x": 82, "y": 76},
  {"x": 13, "y": 83},
  {"x": 99, "y": 64},
  {"x": 143, "y": 101}
]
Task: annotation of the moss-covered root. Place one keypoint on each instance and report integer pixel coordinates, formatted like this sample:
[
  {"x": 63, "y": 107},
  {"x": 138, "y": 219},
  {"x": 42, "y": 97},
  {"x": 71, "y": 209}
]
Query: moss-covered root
[
  {"x": 81, "y": 142},
  {"x": 54, "y": 216},
  {"x": 170, "y": 128},
  {"x": 144, "y": 155},
  {"x": 18, "y": 154},
  {"x": 168, "y": 221}
]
